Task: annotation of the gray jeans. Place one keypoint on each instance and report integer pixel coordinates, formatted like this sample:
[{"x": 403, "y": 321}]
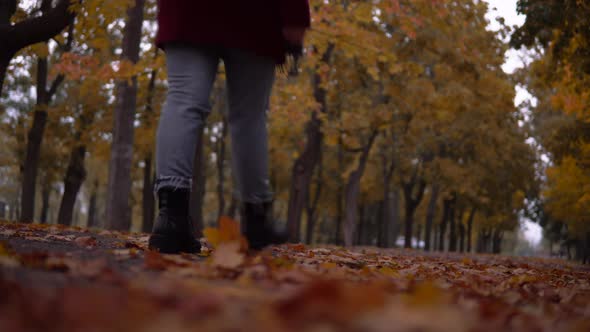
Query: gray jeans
[{"x": 191, "y": 74}]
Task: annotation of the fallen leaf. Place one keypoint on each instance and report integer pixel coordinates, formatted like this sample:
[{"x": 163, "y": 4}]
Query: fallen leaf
[
  {"x": 328, "y": 265},
  {"x": 6, "y": 257},
  {"x": 155, "y": 261},
  {"x": 212, "y": 236},
  {"x": 85, "y": 241},
  {"x": 7, "y": 261},
  {"x": 4, "y": 251},
  {"x": 425, "y": 294},
  {"x": 7, "y": 232},
  {"x": 228, "y": 255},
  {"x": 228, "y": 231},
  {"x": 389, "y": 272},
  {"x": 334, "y": 301}
]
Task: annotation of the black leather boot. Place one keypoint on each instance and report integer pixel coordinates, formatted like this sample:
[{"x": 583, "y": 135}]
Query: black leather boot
[
  {"x": 173, "y": 231},
  {"x": 257, "y": 226}
]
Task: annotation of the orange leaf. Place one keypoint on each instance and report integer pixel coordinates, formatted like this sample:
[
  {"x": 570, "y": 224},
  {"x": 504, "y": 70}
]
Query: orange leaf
[{"x": 228, "y": 231}]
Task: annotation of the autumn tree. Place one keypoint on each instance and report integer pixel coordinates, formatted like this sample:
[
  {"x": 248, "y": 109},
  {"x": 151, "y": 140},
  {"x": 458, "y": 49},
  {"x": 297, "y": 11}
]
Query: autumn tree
[{"x": 559, "y": 78}]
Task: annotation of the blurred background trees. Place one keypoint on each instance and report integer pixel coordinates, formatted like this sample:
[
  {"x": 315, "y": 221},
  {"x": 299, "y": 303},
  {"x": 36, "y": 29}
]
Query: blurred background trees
[
  {"x": 559, "y": 79},
  {"x": 398, "y": 129}
]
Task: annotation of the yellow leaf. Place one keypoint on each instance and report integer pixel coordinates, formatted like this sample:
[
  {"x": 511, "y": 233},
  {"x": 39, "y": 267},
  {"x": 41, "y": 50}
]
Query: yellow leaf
[
  {"x": 467, "y": 261},
  {"x": 40, "y": 49},
  {"x": 425, "y": 294},
  {"x": 389, "y": 272},
  {"x": 328, "y": 265},
  {"x": 212, "y": 235}
]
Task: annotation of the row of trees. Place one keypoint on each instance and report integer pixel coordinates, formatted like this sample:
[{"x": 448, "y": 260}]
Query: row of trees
[
  {"x": 399, "y": 120},
  {"x": 559, "y": 79}
]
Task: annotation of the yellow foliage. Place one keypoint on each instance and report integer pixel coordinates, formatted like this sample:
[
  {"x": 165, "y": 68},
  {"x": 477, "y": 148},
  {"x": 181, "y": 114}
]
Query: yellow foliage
[{"x": 567, "y": 195}]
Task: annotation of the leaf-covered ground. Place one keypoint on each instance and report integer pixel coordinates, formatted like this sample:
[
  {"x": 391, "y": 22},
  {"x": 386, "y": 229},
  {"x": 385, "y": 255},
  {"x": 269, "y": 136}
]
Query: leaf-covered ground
[{"x": 67, "y": 279}]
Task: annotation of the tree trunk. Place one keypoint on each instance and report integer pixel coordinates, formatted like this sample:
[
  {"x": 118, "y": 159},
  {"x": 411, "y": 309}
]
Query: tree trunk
[
  {"x": 339, "y": 195},
  {"x": 351, "y": 208},
  {"x": 387, "y": 222},
  {"x": 470, "y": 228},
  {"x": 148, "y": 201},
  {"x": 12, "y": 208},
  {"x": 301, "y": 177},
  {"x": 461, "y": 237},
  {"x": 395, "y": 225},
  {"x": 443, "y": 224},
  {"x": 118, "y": 212},
  {"x": 76, "y": 172},
  {"x": 148, "y": 196},
  {"x": 383, "y": 221},
  {"x": 198, "y": 190},
  {"x": 35, "y": 136},
  {"x": 586, "y": 259},
  {"x": 233, "y": 206},
  {"x": 430, "y": 216},
  {"x": 483, "y": 241},
  {"x": 579, "y": 253},
  {"x": 359, "y": 233},
  {"x": 220, "y": 169},
  {"x": 45, "y": 195},
  {"x": 312, "y": 206},
  {"x": 75, "y": 175},
  {"x": 304, "y": 166},
  {"x": 496, "y": 242},
  {"x": 411, "y": 203},
  {"x": 92, "y": 221},
  {"x": 352, "y": 192},
  {"x": 4, "y": 62},
  {"x": 436, "y": 232},
  {"x": 31, "y": 165},
  {"x": 453, "y": 228},
  {"x": 418, "y": 235}
]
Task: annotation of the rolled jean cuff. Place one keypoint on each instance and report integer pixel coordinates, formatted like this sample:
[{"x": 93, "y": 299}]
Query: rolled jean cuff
[{"x": 174, "y": 182}]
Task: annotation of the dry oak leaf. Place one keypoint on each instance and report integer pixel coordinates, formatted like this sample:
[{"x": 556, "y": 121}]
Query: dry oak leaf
[{"x": 228, "y": 231}]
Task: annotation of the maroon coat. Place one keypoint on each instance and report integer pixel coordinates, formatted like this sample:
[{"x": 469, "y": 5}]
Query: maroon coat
[{"x": 254, "y": 25}]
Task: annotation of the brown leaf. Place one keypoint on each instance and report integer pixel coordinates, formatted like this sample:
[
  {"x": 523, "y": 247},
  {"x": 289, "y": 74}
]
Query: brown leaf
[
  {"x": 331, "y": 300},
  {"x": 155, "y": 261},
  {"x": 86, "y": 241}
]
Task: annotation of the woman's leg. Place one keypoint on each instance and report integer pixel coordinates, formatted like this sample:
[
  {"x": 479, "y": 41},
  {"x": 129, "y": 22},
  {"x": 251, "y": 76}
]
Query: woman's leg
[
  {"x": 249, "y": 82},
  {"x": 191, "y": 73}
]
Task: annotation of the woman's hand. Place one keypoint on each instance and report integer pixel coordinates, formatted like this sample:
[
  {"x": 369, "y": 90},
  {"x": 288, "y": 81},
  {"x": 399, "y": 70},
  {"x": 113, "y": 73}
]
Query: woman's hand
[{"x": 294, "y": 35}]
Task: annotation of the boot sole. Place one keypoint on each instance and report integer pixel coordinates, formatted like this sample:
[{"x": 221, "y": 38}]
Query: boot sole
[{"x": 171, "y": 245}]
